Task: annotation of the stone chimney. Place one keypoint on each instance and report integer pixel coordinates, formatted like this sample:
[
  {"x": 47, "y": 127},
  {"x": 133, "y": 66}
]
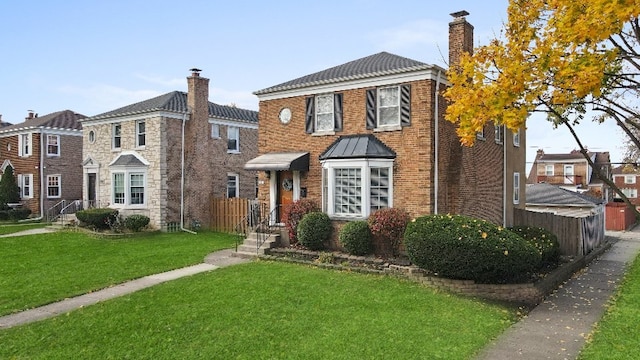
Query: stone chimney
[{"x": 460, "y": 37}]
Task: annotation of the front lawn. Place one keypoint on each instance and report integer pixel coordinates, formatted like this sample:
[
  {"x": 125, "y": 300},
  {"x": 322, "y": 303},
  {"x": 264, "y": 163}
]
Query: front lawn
[
  {"x": 268, "y": 310},
  {"x": 40, "y": 269},
  {"x": 10, "y": 228},
  {"x": 616, "y": 335}
]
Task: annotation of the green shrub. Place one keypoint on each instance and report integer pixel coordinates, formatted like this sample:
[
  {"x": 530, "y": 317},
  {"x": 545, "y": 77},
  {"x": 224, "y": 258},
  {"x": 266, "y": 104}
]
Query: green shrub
[
  {"x": 314, "y": 229},
  {"x": 543, "y": 240},
  {"x": 4, "y": 215},
  {"x": 136, "y": 222},
  {"x": 460, "y": 247},
  {"x": 294, "y": 212},
  {"x": 99, "y": 218},
  {"x": 355, "y": 237},
  {"x": 387, "y": 227},
  {"x": 9, "y": 190},
  {"x": 19, "y": 214}
]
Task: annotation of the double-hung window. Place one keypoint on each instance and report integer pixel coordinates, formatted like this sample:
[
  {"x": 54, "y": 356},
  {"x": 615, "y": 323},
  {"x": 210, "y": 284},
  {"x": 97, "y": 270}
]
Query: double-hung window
[
  {"x": 140, "y": 133},
  {"x": 356, "y": 188},
  {"x": 629, "y": 179},
  {"x": 116, "y": 137},
  {"x": 232, "y": 185},
  {"x": 53, "y": 145},
  {"x": 233, "y": 139},
  {"x": 323, "y": 114},
  {"x": 499, "y": 133},
  {"x": 630, "y": 193},
  {"x": 215, "y": 131},
  {"x": 24, "y": 145},
  {"x": 388, "y": 107},
  {"x": 548, "y": 170},
  {"x": 136, "y": 188},
  {"x": 516, "y": 138},
  {"x": 516, "y": 188},
  {"x": 25, "y": 183},
  {"x": 129, "y": 187},
  {"x": 118, "y": 188},
  {"x": 53, "y": 186}
]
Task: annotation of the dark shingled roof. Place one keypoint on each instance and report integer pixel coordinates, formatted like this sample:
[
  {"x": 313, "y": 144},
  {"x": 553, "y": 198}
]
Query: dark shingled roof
[
  {"x": 358, "y": 146},
  {"x": 127, "y": 160},
  {"x": 547, "y": 194},
  {"x": 65, "y": 119},
  {"x": 176, "y": 101},
  {"x": 379, "y": 64},
  {"x": 625, "y": 170}
]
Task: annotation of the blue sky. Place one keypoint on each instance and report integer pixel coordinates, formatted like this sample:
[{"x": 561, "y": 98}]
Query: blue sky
[{"x": 94, "y": 56}]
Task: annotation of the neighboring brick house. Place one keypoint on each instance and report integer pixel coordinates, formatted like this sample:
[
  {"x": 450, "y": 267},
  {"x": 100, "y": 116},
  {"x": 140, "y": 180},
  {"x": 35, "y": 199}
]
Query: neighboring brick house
[
  {"x": 627, "y": 179},
  {"x": 46, "y": 155},
  {"x": 572, "y": 171},
  {"x": 371, "y": 134},
  {"x": 134, "y": 159}
]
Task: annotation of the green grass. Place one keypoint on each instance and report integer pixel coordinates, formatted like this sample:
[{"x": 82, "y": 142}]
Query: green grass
[
  {"x": 10, "y": 228},
  {"x": 40, "y": 269},
  {"x": 616, "y": 335},
  {"x": 268, "y": 310}
]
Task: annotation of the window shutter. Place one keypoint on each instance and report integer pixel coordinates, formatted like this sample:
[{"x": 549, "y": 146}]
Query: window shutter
[
  {"x": 337, "y": 112},
  {"x": 405, "y": 105},
  {"x": 371, "y": 108},
  {"x": 309, "y": 115},
  {"x": 20, "y": 146}
]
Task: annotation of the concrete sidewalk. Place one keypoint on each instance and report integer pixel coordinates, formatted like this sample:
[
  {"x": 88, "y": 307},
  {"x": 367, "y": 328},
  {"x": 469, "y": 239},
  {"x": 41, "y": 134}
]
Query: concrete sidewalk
[
  {"x": 558, "y": 327},
  {"x": 213, "y": 261}
]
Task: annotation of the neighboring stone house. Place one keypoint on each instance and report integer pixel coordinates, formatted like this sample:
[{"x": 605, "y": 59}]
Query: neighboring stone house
[
  {"x": 627, "y": 179},
  {"x": 572, "y": 171},
  {"x": 167, "y": 157},
  {"x": 371, "y": 134},
  {"x": 46, "y": 155}
]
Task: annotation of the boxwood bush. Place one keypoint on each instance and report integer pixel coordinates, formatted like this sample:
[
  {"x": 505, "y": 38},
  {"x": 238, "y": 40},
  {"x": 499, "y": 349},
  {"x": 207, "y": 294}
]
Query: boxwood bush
[
  {"x": 314, "y": 230},
  {"x": 136, "y": 222},
  {"x": 355, "y": 237},
  {"x": 19, "y": 214},
  {"x": 98, "y": 218},
  {"x": 294, "y": 212},
  {"x": 460, "y": 247},
  {"x": 543, "y": 240}
]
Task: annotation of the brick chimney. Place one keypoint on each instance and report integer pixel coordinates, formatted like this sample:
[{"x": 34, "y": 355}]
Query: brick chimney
[
  {"x": 30, "y": 115},
  {"x": 460, "y": 37}
]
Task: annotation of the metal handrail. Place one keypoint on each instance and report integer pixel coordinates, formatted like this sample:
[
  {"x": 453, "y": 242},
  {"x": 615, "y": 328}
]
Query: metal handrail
[
  {"x": 266, "y": 226},
  {"x": 52, "y": 213},
  {"x": 259, "y": 220}
]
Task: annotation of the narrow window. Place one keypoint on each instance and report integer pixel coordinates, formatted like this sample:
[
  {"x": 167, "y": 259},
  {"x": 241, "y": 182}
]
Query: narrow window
[
  {"x": 233, "y": 136},
  {"x": 215, "y": 131},
  {"x": 118, "y": 188},
  {"x": 499, "y": 131},
  {"x": 136, "y": 188},
  {"x": 324, "y": 113},
  {"x": 24, "y": 145},
  {"x": 25, "y": 183},
  {"x": 516, "y": 138},
  {"x": 116, "y": 139},
  {"x": 379, "y": 188},
  {"x": 516, "y": 188},
  {"x": 140, "y": 133},
  {"x": 53, "y": 145},
  {"x": 232, "y": 185}
]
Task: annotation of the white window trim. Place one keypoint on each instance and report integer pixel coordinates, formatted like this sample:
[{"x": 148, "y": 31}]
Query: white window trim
[
  {"x": 568, "y": 166},
  {"x": 499, "y": 134},
  {"x": 516, "y": 138},
  {"x": 128, "y": 171},
  {"x": 57, "y": 137},
  {"x": 138, "y": 133},
  {"x": 113, "y": 136},
  {"x": 316, "y": 128},
  {"x": 516, "y": 188},
  {"x": 21, "y": 182},
  {"x": 215, "y": 131},
  {"x": 631, "y": 177},
  {"x": 365, "y": 165},
  {"x": 546, "y": 173},
  {"x": 21, "y": 145},
  {"x": 237, "y": 184},
  {"x": 628, "y": 192},
  {"x": 59, "y": 186},
  {"x": 230, "y": 130},
  {"x": 397, "y": 124}
]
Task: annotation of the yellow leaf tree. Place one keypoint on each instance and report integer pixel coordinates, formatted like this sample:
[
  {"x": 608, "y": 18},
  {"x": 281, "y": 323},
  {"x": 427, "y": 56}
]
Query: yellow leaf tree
[{"x": 565, "y": 58}]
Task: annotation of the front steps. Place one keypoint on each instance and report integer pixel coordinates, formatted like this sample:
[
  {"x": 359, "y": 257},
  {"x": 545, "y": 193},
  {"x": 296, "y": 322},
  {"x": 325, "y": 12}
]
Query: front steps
[
  {"x": 249, "y": 247},
  {"x": 65, "y": 220}
]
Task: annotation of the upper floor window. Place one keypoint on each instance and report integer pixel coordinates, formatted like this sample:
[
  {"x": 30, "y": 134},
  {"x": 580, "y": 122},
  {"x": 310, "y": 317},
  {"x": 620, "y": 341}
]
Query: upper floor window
[
  {"x": 232, "y": 185},
  {"x": 53, "y": 145},
  {"x": 53, "y": 186},
  {"x": 630, "y": 193},
  {"x": 24, "y": 145},
  {"x": 140, "y": 133},
  {"x": 548, "y": 170},
  {"x": 499, "y": 133},
  {"x": 388, "y": 108},
  {"x": 233, "y": 139},
  {"x": 323, "y": 114},
  {"x": 215, "y": 131},
  {"x": 516, "y": 188},
  {"x": 116, "y": 136},
  {"x": 516, "y": 138},
  {"x": 629, "y": 179},
  {"x": 480, "y": 134}
]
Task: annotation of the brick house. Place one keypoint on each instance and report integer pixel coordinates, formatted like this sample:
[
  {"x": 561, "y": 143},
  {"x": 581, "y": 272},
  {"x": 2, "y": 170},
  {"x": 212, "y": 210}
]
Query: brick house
[
  {"x": 627, "y": 179},
  {"x": 572, "y": 171},
  {"x": 371, "y": 134},
  {"x": 46, "y": 155},
  {"x": 168, "y": 156}
]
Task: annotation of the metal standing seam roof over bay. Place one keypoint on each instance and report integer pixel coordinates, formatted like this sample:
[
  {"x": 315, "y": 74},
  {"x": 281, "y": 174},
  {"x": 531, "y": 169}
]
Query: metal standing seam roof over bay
[
  {"x": 280, "y": 161},
  {"x": 358, "y": 147}
]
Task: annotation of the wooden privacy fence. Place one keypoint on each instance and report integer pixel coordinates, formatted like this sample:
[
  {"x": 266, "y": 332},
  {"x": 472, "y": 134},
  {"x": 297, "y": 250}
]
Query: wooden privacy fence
[
  {"x": 576, "y": 235},
  {"x": 227, "y": 213}
]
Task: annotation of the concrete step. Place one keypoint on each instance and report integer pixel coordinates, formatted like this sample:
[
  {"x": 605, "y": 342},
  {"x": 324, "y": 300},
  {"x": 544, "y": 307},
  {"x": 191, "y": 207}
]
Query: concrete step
[{"x": 249, "y": 247}]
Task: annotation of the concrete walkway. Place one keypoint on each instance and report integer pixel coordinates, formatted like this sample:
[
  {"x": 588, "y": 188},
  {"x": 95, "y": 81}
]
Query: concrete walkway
[
  {"x": 42, "y": 230},
  {"x": 558, "y": 327},
  {"x": 213, "y": 261}
]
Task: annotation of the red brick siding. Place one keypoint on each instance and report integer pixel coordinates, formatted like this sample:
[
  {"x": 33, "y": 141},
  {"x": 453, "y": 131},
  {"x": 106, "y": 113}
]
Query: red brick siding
[{"x": 25, "y": 165}]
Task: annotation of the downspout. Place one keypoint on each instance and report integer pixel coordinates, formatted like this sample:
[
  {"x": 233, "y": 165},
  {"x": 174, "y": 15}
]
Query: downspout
[
  {"x": 435, "y": 113},
  {"x": 184, "y": 119},
  {"x": 504, "y": 177},
  {"x": 41, "y": 183}
]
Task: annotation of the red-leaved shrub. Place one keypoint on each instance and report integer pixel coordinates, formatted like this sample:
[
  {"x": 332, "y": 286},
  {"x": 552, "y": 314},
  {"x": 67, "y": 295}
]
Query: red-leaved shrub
[
  {"x": 293, "y": 214},
  {"x": 387, "y": 227}
]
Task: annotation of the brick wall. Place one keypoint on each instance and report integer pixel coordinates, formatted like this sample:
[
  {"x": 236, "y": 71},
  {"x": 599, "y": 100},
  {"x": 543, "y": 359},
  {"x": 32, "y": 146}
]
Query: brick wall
[
  {"x": 24, "y": 165},
  {"x": 69, "y": 166}
]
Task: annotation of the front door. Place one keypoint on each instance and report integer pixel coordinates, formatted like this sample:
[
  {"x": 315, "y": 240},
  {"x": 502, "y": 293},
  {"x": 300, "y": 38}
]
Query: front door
[
  {"x": 285, "y": 192},
  {"x": 91, "y": 189}
]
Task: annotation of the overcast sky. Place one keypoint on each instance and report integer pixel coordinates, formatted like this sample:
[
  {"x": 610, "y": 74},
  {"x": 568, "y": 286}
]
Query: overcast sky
[{"x": 94, "y": 56}]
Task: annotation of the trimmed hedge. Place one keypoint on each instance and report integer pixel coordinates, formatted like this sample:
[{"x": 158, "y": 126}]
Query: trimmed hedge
[
  {"x": 136, "y": 222},
  {"x": 314, "y": 230},
  {"x": 15, "y": 214},
  {"x": 294, "y": 212},
  {"x": 99, "y": 218},
  {"x": 355, "y": 237},
  {"x": 460, "y": 247},
  {"x": 543, "y": 240}
]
